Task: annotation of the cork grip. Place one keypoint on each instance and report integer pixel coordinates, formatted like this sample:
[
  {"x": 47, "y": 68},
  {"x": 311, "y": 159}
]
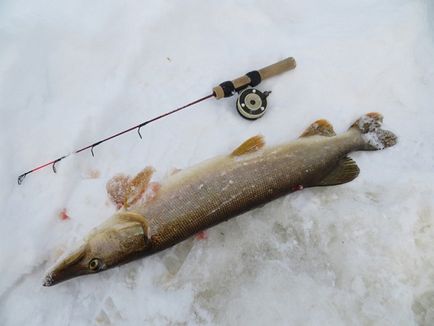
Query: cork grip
[
  {"x": 227, "y": 89},
  {"x": 277, "y": 68}
]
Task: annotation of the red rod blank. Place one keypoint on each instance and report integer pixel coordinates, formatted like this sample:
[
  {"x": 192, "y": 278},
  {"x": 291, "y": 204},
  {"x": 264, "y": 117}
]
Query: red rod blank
[{"x": 53, "y": 162}]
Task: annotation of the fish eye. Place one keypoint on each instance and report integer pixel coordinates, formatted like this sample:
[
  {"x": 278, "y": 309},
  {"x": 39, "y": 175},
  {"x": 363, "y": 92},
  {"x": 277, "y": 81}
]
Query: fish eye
[{"x": 94, "y": 264}]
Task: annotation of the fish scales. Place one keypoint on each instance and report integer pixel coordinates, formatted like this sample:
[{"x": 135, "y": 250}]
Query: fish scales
[
  {"x": 219, "y": 189},
  {"x": 195, "y": 200}
]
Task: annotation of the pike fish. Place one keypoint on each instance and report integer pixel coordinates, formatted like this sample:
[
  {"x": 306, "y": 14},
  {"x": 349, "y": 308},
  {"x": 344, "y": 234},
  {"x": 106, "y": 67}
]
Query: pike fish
[{"x": 221, "y": 188}]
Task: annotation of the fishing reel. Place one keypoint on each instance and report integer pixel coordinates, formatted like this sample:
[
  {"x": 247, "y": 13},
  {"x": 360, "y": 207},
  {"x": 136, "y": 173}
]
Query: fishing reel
[{"x": 252, "y": 103}]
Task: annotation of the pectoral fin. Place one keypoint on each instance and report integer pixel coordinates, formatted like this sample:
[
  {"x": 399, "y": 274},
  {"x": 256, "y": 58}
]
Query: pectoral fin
[
  {"x": 345, "y": 171},
  {"x": 252, "y": 144},
  {"x": 128, "y": 219}
]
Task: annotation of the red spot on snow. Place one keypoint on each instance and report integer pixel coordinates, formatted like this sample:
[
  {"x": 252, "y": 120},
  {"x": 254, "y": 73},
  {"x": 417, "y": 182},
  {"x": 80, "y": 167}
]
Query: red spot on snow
[
  {"x": 63, "y": 215},
  {"x": 202, "y": 235},
  {"x": 297, "y": 187}
]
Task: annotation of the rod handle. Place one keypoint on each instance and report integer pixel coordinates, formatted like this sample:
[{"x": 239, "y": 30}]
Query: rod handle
[{"x": 253, "y": 78}]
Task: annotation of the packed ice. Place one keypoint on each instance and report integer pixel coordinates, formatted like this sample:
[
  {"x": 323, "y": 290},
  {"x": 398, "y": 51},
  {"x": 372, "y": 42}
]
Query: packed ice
[{"x": 72, "y": 73}]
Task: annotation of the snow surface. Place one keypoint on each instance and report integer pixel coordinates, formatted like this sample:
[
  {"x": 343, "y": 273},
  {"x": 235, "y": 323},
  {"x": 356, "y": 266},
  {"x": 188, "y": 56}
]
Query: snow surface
[{"x": 74, "y": 72}]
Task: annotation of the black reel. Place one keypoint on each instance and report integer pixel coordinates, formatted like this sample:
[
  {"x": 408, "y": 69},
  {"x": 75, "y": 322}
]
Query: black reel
[{"x": 251, "y": 103}]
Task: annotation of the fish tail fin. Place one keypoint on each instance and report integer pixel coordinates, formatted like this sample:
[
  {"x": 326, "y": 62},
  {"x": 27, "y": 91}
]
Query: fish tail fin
[{"x": 372, "y": 136}]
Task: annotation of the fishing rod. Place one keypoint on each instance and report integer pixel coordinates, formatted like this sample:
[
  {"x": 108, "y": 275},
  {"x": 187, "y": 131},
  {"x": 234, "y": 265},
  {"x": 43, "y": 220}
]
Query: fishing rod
[{"x": 251, "y": 104}]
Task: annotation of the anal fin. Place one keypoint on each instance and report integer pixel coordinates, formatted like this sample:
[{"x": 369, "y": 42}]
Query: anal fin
[
  {"x": 320, "y": 127},
  {"x": 252, "y": 144},
  {"x": 345, "y": 171}
]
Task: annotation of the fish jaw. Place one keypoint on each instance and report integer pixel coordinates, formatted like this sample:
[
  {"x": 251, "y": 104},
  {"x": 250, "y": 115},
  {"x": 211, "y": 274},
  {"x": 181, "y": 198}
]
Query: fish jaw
[
  {"x": 121, "y": 239},
  {"x": 70, "y": 267}
]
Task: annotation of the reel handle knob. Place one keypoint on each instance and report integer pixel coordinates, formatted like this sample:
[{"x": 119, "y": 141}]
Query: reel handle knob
[
  {"x": 253, "y": 78},
  {"x": 252, "y": 103}
]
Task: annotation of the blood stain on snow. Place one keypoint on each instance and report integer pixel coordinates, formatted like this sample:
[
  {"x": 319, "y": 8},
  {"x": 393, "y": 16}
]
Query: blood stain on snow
[
  {"x": 297, "y": 187},
  {"x": 63, "y": 215},
  {"x": 202, "y": 235}
]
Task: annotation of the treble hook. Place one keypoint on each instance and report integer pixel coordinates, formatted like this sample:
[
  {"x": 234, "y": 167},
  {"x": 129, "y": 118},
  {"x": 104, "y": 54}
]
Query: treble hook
[
  {"x": 138, "y": 130},
  {"x": 91, "y": 150}
]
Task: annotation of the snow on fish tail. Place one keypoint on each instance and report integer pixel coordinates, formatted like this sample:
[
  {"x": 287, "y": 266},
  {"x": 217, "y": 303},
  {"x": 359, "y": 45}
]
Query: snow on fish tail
[{"x": 373, "y": 137}]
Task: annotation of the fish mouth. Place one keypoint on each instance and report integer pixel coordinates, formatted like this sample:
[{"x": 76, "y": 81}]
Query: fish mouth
[
  {"x": 66, "y": 269},
  {"x": 48, "y": 280},
  {"x": 58, "y": 276}
]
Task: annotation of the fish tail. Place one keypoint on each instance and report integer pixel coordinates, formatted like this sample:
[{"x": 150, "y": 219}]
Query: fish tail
[{"x": 372, "y": 136}]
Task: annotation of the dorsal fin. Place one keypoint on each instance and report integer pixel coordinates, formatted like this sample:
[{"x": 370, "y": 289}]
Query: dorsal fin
[
  {"x": 320, "y": 127},
  {"x": 345, "y": 171},
  {"x": 252, "y": 144}
]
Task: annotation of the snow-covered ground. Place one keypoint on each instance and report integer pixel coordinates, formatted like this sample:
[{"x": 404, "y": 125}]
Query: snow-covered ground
[{"x": 74, "y": 72}]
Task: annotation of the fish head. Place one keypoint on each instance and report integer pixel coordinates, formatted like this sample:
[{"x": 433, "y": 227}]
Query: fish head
[{"x": 121, "y": 239}]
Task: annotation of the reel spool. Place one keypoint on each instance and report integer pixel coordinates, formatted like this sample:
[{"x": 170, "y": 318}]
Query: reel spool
[{"x": 252, "y": 104}]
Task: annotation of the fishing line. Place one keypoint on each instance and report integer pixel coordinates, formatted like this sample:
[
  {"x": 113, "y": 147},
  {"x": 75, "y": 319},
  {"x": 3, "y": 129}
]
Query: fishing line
[{"x": 251, "y": 104}]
